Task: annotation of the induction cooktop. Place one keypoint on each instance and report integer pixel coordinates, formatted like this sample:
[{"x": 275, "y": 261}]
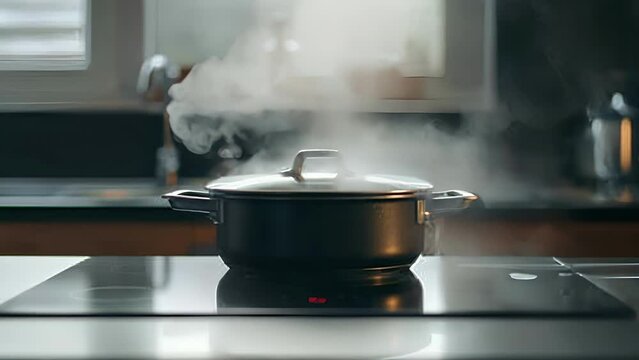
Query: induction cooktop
[{"x": 433, "y": 286}]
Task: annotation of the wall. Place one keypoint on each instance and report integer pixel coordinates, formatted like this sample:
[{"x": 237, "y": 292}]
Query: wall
[
  {"x": 191, "y": 32},
  {"x": 556, "y": 56}
]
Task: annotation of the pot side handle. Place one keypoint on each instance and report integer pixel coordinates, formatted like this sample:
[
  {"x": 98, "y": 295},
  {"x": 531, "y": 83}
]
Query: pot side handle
[
  {"x": 452, "y": 201},
  {"x": 192, "y": 201}
]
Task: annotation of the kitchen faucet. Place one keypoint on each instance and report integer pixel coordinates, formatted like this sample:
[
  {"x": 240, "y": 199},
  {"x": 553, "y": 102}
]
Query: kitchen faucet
[{"x": 156, "y": 76}]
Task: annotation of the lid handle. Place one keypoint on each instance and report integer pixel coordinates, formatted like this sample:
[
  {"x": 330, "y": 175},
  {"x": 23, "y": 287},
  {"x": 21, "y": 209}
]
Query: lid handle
[{"x": 298, "y": 163}]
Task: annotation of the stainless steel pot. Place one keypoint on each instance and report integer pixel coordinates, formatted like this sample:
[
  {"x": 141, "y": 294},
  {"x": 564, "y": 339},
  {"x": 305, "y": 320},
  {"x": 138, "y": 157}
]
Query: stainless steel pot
[{"x": 322, "y": 220}]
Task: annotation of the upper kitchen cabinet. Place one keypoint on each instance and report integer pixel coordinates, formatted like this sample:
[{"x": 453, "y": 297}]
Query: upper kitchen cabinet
[{"x": 384, "y": 55}]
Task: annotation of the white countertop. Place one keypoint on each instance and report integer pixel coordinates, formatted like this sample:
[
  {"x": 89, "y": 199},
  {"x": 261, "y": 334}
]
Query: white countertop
[{"x": 313, "y": 337}]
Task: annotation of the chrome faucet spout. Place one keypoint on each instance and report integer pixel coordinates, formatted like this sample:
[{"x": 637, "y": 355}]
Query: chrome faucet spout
[
  {"x": 157, "y": 69},
  {"x": 158, "y": 73}
]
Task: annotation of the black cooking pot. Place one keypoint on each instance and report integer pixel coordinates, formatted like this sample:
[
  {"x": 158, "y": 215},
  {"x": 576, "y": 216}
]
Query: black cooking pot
[{"x": 316, "y": 220}]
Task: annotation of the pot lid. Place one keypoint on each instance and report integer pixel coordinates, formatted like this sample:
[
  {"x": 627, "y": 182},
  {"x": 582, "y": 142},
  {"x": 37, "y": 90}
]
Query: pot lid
[{"x": 295, "y": 181}]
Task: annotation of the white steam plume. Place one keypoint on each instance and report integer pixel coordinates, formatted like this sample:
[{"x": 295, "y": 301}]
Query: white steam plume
[
  {"x": 222, "y": 96},
  {"x": 300, "y": 54}
]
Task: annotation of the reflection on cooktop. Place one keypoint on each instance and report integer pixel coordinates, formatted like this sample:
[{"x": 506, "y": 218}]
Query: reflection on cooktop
[
  {"x": 434, "y": 286},
  {"x": 380, "y": 293}
]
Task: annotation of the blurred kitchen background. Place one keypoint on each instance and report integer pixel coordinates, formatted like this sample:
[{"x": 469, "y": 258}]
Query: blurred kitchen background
[{"x": 530, "y": 103}]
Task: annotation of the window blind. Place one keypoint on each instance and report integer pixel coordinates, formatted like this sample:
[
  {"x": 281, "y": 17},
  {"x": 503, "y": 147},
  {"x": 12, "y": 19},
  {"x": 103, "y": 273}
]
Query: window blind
[{"x": 44, "y": 34}]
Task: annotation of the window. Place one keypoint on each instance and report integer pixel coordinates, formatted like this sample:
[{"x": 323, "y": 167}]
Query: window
[
  {"x": 445, "y": 64},
  {"x": 44, "y": 34},
  {"x": 407, "y": 34}
]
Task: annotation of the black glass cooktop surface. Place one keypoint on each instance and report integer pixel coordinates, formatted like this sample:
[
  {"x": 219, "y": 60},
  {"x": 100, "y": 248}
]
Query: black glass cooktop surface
[{"x": 434, "y": 286}]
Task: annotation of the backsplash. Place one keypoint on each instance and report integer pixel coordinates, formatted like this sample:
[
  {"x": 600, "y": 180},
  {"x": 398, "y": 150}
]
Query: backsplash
[{"x": 84, "y": 144}]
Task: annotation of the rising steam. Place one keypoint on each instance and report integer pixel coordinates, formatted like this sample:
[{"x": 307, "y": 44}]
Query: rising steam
[
  {"x": 305, "y": 54},
  {"x": 294, "y": 58}
]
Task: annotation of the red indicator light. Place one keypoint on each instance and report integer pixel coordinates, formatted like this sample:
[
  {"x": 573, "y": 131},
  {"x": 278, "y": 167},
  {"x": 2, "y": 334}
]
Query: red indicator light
[{"x": 317, "y": 300}]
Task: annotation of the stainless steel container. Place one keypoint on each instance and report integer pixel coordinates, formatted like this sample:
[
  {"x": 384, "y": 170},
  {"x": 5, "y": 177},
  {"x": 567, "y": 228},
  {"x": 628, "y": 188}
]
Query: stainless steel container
[{"x": 615, "y": 151}]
